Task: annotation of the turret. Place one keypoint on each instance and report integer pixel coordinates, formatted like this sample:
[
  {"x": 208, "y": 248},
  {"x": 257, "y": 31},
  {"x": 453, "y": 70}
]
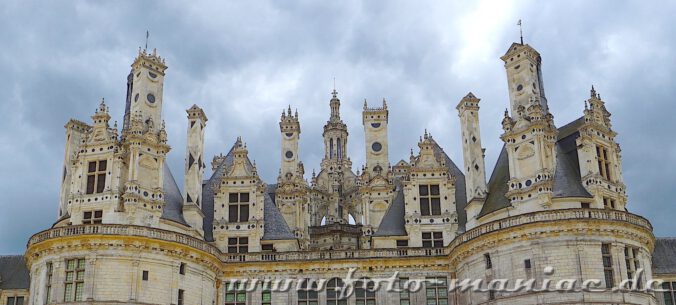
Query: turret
[
  {"x": 76, "y": 131},
  {"x": 599, "y": 156},
  {"x": 335, "y": 133},
  {"x": 375, "y": 134},
  {"x": 473, "y": 155},
  {"x": 194, "y": 168},
  {"x": 530, "y": 135}
]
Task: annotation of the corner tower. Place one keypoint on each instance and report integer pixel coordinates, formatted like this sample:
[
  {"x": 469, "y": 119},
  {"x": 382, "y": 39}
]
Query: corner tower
[{"x": 375, "y": 133}]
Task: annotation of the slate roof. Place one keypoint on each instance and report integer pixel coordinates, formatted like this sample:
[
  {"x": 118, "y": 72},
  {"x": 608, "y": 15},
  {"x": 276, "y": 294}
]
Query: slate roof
[
  {"x": 567, "y": 180},
  {"x": 460, "y": 191},
  {"x": 497, "y": 185},
  {"x": 393, "y": 223},
  {"x": 664, "y": 256},
  {"x": 13, "y": 273},
  {"x": 173, "y": 208},
  {"x": 275, "y": 228}
]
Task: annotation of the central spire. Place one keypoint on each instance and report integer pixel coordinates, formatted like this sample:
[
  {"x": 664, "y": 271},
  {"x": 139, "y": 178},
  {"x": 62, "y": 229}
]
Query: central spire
[{"x": 335, "y": 106}]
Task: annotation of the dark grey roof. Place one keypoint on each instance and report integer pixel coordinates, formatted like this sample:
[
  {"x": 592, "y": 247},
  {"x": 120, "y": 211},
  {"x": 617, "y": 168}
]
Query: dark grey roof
[
  {"x": 393, "y": 223},
  {"x": 208, "y": 194},
  {"x": 460, "y": 191},
  {"x": 664, "y": 256},
  {"x": 276, "y": 227},
  {"x": 567, "y": 180},
  {"x": 173, "y": 207},
  {"x": 497, "y": 185},
  {"x": 13, "y": 273}
]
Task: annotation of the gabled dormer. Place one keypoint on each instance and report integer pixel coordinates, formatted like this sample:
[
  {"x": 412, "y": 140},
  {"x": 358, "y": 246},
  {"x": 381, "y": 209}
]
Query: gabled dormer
[
  {"x": 600, "y": 158},
  {"x": 430, "y": 191},
  {"x": 239, "y": 197}
]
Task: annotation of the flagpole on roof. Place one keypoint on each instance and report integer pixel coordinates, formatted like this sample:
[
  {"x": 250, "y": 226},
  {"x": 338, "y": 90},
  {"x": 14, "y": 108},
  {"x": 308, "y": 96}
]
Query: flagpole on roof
[{"x": 520, "y": 30}]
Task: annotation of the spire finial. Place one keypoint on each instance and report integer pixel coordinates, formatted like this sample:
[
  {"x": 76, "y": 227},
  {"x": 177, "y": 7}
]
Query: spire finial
[
  {"x": 593, "y": 92},
  {"x": 520, "y": 30},
  {"x": 365, "y": 105},
  {"x": 147, "y": 36}
]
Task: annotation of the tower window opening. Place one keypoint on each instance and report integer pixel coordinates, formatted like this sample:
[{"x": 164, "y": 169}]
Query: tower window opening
[
  {"x": 603, "y": 161},
  {"x": 607, "y": 265},
  {"x": 340, "y": 149},
  {"x": 181, "y": 269},
  {"x": 181, "y": 299},
  {"x": 238, "y": 207},
  {"x": 96, "y": 176},
  {"x": 235, "y": 293},
  {"x": 238, "y": 245},
  {"x": 436, "y": 290},
  {"x": 331, "y": 148},
  {"x": 430, "y": 200},
  {"x": 333, "y": 292},
  {"x": 608, "y": 203},
  {"x": 633, "y": 264},
  {"x": 308, "y": 293},
  {"x": 92, "y": 217},
  {"x": 432, "y": 240},
  {"x": 75, "y": 276},
  {"x": 487, "y": 260}
]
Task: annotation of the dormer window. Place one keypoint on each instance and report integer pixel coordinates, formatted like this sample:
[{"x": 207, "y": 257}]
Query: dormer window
[
  {"x": 603, "y": 161},
  {"x": 430, "y": 200},
  {"x": 238, "y": 207},
  {"x": 96, "y": 176},
  {"x": 92, "y": 217}
]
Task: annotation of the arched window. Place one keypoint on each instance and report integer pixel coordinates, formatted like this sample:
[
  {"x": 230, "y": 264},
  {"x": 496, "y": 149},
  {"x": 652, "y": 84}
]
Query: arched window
[
  {"x": 365, "y": 292},
  {"x": 331, "y": 148},
  {"x": 333, "y": 292},
  {"x": 351, "y": 220},
  {"x": 308, "y": 294},
  {"x": 340, "y": 148}
]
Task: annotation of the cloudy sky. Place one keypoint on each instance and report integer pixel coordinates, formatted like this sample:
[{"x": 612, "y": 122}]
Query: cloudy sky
[{"x": 244, "y": 61}]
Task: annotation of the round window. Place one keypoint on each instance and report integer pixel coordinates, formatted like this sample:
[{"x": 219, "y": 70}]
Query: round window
[
  {"x": 136, "y": 98},
  {"x": 519, "y": 87},
  {"x": 376, "y": 146},
  {"x": 375, "y": 125},
  {"x": 152, "y": 75},
  {"x": 289, "y": 154},
  {"x": 151, "y": 98},
  {"x": 289, "y": 134}
]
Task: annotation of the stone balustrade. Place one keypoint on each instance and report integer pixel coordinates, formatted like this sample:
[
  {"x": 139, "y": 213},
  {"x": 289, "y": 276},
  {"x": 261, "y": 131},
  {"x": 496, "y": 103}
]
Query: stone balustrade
[{"x": 515, "y": 221}]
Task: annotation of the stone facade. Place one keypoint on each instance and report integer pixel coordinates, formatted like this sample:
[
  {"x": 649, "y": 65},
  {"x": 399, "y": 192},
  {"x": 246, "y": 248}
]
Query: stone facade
[{"x": 126, "y": 235}]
